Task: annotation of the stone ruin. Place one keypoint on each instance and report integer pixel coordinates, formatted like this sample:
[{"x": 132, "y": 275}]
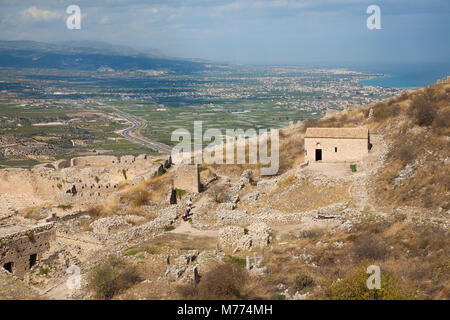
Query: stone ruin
[
  {"x": 238, "y": 238},
  {"x": 84, "y": 189},
  {"x": 21, "y": 247},
  {"x": 187, "y": 178}
]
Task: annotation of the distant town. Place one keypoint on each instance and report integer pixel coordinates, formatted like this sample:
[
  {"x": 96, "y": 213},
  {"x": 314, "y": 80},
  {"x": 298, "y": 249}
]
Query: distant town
[{"x": 47, "y": 113}]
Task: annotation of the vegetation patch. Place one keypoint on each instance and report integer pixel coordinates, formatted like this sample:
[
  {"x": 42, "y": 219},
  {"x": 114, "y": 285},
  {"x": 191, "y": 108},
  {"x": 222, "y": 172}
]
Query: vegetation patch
[
  {"x": 354, "y": 287},
  {"x": 169, "y": 228},
  {"x": 224, "y": 281},
  {"x": 112, "y": 277}
]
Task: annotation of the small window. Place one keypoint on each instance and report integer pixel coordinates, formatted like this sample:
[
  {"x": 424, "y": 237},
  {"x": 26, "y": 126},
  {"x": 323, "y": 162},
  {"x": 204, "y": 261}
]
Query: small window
[{"x": 335, "y": 149}]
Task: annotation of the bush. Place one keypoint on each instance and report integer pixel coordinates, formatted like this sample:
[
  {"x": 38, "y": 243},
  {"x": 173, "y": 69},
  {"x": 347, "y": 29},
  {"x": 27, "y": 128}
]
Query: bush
[
  {"x": 383, "y": 111},
  {"x": 219, "y": 194},
  {"x": 95, "y": 212},
  {"x": 370, "y": 247},
  {"x": 225, "y": 281},
  {"x": 30, "y": 236},
  {"x": 112, "y": 277},
  {"x": 423, "y": 111},
  {"x": 403, "y": 153},
  {"x": 169, "y": 228},
  {"x": 140, "y": 198},
  {"x": 442, "y": 120},
  {"x": 311, "y": 233},
  {"x": 404, "y": 96},
  {"x": 303, "y": 281},
  {"x": 354, "y": 287},
  {"x": 235, "y": 260},
  {"x": 65, "y": 206},
  {"x": 179, "y": 193}
]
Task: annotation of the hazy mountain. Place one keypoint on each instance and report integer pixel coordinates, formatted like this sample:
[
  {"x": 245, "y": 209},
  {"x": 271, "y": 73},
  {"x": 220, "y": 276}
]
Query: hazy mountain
[{"x": 88, "y": 55}]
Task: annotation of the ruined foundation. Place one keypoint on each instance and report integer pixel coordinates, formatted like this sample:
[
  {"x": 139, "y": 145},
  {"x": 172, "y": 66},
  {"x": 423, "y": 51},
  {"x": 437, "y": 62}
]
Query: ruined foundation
[{"x": 21, "y": 247}]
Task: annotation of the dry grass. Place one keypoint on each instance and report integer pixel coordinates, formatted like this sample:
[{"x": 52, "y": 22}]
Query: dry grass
[
  {"x": 154, "y": 189},
  {"x": 294, "y": 195},
  {"x": 414, "y": 262},
  {"x": 108, "y": 207},
  {"x": 112, "y": 277},
  {"x": 417, "y": 135},
  {"x": 224, "y": 281},
  {"x": 353, "y": 287}
]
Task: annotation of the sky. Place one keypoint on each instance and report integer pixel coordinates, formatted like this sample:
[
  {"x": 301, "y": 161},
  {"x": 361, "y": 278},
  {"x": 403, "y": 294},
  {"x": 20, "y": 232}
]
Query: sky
[{"x": 246, "y": 31}]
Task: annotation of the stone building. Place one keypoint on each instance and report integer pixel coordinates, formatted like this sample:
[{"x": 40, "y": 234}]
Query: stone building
[
  {"x": 21, "y": 247},
  {"x": 336, "y": 144}
]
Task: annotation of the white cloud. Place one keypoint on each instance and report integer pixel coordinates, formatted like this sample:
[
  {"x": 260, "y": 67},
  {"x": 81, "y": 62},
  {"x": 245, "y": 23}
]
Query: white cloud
[
  {"x": 260, "y": 4},
  {"x": 33, "y": 13}
]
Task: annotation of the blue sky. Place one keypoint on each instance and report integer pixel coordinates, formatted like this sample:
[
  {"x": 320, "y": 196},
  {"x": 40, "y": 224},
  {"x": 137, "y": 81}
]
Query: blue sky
[{"x": 246, "y": 31}]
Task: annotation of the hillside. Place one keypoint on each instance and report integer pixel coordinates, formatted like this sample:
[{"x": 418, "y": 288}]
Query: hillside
[
  {"x": 309, "y": 232},
  {"x": 88, "y": 56}
]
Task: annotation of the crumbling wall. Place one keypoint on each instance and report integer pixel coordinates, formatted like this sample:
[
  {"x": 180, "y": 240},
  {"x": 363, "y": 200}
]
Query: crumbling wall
[
  {"x": 18, "y": 244},
  {"x": 102, "y": 161},
  {"x": 187, "y": 178}
]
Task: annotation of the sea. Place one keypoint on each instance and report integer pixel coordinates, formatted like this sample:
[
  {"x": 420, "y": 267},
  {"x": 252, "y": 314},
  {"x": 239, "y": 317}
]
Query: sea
[{"x": 408, "y": 76}]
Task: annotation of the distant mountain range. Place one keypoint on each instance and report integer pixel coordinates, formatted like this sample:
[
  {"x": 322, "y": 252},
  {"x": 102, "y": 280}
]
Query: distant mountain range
[{"x": 89, "y": 55}]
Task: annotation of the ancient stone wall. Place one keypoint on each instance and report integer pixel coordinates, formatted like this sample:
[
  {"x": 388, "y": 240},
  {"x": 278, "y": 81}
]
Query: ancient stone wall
[
  {"x": 101, "y": 161},
  {"x": 187, "y": 178},
  {"x": 21, "y": 247},
  {"x": 94, "y": 178}
]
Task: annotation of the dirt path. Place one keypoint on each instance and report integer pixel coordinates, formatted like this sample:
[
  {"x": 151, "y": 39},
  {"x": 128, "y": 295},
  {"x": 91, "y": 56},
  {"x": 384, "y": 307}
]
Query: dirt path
[
  {"x": 187, "y": 229},
  {"x": 361, "y": 187}
]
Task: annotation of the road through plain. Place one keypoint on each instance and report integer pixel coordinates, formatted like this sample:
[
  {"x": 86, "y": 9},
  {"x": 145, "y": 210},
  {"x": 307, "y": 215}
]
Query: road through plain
[{"x": 132, "y": 134}]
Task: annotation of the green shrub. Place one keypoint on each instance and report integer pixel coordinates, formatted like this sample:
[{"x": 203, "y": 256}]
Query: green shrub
[
  {"x": 311, "y": 233},
  {"x": 180, "y": 193},
  {"x": 112, "y": 277},
  {"x": 169, "y": 228},
  {"x": 131, "y": 251},
  {"x": 65, "y": 206},
  {"x": 44, "y": 270},
  {"x": 354, "y": 287},
  {"x": 303, "y": 282},
  {"x": 30, "y": 236},
  {"x": 235, "y": 260}
]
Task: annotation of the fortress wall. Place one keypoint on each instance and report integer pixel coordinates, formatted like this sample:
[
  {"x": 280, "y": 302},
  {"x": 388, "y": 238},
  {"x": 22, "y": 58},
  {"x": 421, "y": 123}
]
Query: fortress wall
[
  {"x": 100, "y": 161},
  {"x": 187, "y": 178},
  {"x": 38, "y": 184},
  {"x": 18, "y": 247},
  {"x": 45, "y": 182},
  {"x": 81, "y": 198}
]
